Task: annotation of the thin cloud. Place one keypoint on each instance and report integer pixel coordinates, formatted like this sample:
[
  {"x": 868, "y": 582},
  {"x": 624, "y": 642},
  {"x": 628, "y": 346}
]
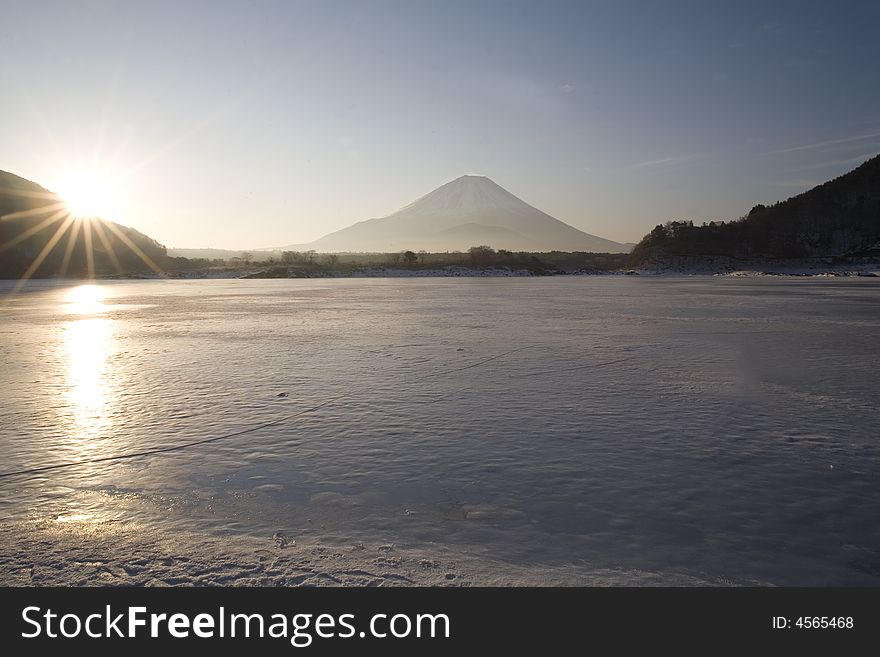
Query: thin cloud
[
  {"x": 665, "y": 162},
  {"x": 773, "y": 26},
  {"x": 835, "y": 163},
  {"x": 653, "y": 163},
  {"x": 822, "y": 144}
]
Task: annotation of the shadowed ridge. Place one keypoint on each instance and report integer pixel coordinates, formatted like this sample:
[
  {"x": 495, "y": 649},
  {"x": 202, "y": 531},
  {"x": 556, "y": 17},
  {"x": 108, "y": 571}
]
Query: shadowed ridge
[
  {"x": 39, "y": 238},
  {"x": 838, "y": 218}
]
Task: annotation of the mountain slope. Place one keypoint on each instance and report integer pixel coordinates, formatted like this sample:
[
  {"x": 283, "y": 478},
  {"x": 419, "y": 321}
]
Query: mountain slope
[
  {"x": 38, "y": 238},
  {"x": 469, "y": 210},
  {"x": 838, "y": 218}
]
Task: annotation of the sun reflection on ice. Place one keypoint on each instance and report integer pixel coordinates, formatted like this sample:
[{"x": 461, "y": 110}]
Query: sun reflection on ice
[
  {"x": 87, "y": 345},
  {"x": 75, "y": 517},
  {"x": 85, "y": 300}
]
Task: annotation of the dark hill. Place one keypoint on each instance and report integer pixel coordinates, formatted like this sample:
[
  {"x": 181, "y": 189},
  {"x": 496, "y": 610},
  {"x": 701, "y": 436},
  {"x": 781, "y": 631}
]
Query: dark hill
[
  {"x": 840, "y": 218},
  {"x": 39, "y": 238}
]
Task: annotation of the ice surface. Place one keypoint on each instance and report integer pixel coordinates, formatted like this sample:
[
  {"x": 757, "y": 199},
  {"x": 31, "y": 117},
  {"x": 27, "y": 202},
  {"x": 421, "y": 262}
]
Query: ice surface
[{"x": 706, "y": 428}]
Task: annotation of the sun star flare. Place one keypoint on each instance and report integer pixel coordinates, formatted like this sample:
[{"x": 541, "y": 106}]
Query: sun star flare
[{"x": 90, "y": 194}]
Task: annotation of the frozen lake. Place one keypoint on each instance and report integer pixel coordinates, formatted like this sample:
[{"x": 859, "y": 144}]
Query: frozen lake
[{"x": 724, "y": 429}]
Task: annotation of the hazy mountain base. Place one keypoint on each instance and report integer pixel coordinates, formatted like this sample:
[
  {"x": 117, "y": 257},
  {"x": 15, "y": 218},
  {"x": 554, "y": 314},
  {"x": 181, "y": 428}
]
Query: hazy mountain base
[{"x": 52, "y": 553}]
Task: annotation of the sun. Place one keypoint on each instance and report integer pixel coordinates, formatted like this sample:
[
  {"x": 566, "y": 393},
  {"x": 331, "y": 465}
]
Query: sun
[{"x": 89, "y": 195}]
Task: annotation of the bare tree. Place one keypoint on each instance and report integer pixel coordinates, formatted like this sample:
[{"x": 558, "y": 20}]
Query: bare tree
[{"x": 481, "y": 254}]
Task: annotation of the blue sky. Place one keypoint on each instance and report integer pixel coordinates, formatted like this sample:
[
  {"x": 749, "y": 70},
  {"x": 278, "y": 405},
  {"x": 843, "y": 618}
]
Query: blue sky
[{"x": 251, "y": 124}]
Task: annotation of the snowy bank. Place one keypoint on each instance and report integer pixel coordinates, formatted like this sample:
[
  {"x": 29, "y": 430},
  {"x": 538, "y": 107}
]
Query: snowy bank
[{"x": 46, "y": 553}]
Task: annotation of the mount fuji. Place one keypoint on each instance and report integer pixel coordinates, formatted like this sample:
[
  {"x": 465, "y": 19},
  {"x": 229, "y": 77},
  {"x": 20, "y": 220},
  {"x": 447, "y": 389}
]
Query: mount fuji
[{"x": 469, "y": 211}]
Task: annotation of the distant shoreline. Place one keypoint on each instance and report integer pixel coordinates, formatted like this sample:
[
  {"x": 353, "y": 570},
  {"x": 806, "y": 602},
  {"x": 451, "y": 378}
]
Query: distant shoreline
[
  {"x": 201, "y": 276},
  {"x": 453, "y": 271},
  {"x": 747, "y": 270}
]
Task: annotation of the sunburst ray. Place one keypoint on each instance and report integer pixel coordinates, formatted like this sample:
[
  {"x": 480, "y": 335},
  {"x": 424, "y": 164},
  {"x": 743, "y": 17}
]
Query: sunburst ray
[
  {"x": 90, "y": 255},
  {"x": 134, "y": 248},
  {"x": 33, "y": 229},
  {"x": 71, "y": 244},
  {"x": 108, "y": 246},
  {"x": 46, "y": 250},
  {"x": 34, "y": 212},
  {"x": 12, "y": 191}
]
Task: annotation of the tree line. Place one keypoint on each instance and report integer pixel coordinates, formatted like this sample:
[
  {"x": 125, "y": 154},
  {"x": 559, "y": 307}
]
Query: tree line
[{"x": 839, "y": 218}]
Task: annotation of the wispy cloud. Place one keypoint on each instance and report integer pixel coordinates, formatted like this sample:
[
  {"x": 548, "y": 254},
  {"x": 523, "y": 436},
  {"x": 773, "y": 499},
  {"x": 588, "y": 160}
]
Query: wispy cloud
[
  {"x": 525, "y": 93},
  {"x": 672, "y": 160},
  {"x": 567, "y": 88},
  {"x": 823, "y": 144},
  {"x": 836, "y": 163},
  {"x": 772, "y": 26}
]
